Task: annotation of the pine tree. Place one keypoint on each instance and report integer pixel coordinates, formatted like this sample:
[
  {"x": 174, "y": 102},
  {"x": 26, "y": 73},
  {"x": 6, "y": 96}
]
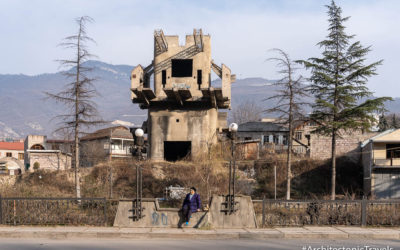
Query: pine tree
[{"x": 338, "y": 82}]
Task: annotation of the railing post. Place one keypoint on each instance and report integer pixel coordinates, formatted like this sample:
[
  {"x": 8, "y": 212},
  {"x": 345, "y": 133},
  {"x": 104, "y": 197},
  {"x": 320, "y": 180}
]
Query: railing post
[
  {"x": 1, "y": 210},
  {"x": 263, "y": 212},
  {"x": 364, "y": 212},
  {"x": 105, "y": 212}
]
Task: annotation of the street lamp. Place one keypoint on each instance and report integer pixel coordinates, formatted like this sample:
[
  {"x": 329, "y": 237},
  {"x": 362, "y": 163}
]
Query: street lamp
[
  {"x": 232, "y": 134},
  {"x": 137, "y": 204},
  {"x": 139, "y": 141}
]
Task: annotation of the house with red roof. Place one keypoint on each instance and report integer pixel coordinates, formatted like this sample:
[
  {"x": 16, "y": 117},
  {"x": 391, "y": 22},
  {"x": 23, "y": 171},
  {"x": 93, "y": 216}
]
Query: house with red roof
[
  {"x": 13, "y": 149},
  {"x": 11, "y": 157}
]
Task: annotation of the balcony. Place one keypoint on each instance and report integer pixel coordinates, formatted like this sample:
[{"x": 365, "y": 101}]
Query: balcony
[{"x": 121, "y": 147}]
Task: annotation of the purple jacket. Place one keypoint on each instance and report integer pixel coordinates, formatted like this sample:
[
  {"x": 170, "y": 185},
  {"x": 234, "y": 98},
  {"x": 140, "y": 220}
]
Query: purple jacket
[{"x": 193, "y": 203}]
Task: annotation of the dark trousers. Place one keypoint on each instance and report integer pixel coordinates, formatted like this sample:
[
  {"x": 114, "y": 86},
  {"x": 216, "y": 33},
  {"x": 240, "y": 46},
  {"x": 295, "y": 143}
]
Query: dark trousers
[{"x": 187, "y": 213}]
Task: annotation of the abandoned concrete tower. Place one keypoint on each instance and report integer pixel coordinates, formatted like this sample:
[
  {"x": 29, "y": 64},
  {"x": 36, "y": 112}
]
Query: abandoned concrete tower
[{"x": 183, "y": 118}]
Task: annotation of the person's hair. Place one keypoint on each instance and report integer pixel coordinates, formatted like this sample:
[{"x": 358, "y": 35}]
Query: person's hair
[{"x": 194, "y": 189}]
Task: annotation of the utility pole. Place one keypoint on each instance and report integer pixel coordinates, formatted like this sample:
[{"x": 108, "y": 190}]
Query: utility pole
[
  {"x": 275, "y": 181},
  {"x": 110, "y": 166}
]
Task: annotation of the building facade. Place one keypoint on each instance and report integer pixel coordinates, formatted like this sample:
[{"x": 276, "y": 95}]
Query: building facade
[
  {"x": 274, "y": 137},
  {"x": 12, "y": 149},
  {"x": 183, "y": 107},
  {"x": 381, "y": 165},
  {"x": 40, "y": 153},
  {"x": 106, "y": 144}
]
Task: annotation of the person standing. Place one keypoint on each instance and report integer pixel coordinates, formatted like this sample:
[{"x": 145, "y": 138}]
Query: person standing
[{"x": 191, "y": 204}]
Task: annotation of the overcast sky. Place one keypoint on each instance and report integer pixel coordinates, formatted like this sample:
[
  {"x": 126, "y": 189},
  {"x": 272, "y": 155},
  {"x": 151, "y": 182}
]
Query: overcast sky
[{"x": 242, "y": 32}]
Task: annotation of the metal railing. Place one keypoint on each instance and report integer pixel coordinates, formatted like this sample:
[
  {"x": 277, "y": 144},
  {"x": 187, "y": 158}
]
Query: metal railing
[
  {"x": 326, "y": 212},
  {"x": 387, "y": 162},
  {"x": 54, "y": 211}
]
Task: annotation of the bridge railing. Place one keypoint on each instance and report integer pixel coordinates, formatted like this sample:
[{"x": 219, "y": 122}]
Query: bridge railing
[
  {"x": 327, "y": 212},
  {"x": 56, "y": 211}
]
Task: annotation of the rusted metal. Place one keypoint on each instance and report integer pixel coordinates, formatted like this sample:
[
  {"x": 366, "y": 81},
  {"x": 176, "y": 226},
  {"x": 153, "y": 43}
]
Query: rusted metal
[{"x": 53, "y": 211}]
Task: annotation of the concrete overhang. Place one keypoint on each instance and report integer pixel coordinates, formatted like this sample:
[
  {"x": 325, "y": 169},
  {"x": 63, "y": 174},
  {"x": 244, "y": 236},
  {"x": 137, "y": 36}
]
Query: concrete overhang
[{"x": 46, "y": 151}]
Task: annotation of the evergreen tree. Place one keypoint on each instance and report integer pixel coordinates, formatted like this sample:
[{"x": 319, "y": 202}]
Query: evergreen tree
[
  {"x": 382, "y": 124},
  {"x": 338, "y": 82},
  {"x": 394, "y": 124}
]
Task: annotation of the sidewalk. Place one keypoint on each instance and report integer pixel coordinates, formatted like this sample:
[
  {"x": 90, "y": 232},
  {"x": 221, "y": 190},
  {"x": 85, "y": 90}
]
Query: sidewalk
[{"x": 339, "y": 232}]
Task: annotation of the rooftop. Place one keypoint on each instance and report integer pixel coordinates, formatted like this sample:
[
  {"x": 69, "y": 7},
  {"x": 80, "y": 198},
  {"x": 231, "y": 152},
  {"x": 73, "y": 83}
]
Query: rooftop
[
  {"x": 11, "y": 146},
  {"x": 113, "y": 132},
  {"x": 261, "y": 127}
]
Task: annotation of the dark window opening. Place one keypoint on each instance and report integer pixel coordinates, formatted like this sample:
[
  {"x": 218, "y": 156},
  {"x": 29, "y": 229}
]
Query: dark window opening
[
  {"x": 164, "y": 78},
  {"x": 285, "y": 140},
  {"x": 392, "y": 151},
  {"x": 177, "y": 120},
  {"x": 308, "y": 140},
  {"x": 182, "y": 67},
  {"x": 199, "y": 77},
  {"x": 37, "y": 147},
  {"x": 176, "y": 150}
]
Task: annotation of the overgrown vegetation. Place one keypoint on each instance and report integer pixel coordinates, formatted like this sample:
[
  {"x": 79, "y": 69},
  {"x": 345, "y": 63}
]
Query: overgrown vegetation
[{"x": 311, "y": 179}]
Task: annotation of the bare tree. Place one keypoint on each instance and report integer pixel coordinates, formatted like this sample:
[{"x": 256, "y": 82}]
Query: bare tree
[
  {"x": 290, "y": 101},
  {"x": 247, "y": 111},
  {"x": 78, "y": 93}
]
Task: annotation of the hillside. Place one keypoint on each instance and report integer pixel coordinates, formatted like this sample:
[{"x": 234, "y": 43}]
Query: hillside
[{"x": 25, "y": 109}]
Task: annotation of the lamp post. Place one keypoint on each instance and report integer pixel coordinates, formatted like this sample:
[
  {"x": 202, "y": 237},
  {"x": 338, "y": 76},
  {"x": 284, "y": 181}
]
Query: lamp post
[
  {"x": 137, "y": 204},
  {"x": 232, "y": 134}
]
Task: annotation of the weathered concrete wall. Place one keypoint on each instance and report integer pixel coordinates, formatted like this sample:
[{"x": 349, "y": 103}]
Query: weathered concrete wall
[
  {"x": 154, "y": 216},
  {"x": 214, "y": 218},
  {"x": 49, "y": 161},
  {"x": 197, "y": 125},
  {"x": 34, "y": 139},
  {"x": 243, "y": 218},
  {"x": 201, "y": 61}
]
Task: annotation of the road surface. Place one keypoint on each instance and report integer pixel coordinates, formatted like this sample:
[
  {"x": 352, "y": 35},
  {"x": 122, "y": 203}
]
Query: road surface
[{"x": 168, "y": 244}]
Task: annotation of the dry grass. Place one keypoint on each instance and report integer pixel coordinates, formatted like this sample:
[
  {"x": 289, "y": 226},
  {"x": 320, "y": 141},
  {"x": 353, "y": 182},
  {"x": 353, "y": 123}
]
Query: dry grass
[{"x": 311, "y": 178}]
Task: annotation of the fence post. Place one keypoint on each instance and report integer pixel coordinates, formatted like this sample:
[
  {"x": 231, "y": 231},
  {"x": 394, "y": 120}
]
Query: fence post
[
  {"x": 263, "y": 212},
  {"x": 364, "y": 212},
  {"x": 105, "y": 212},
  {"x": 1, "y": 210}
]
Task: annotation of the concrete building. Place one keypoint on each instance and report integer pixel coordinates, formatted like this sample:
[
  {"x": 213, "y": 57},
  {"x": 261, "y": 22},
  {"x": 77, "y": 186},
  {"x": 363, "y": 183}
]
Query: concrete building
[
  {"x": 106, "y": 144},
  {"x": 381, "y": 164},
  {"x": 41, "y": 153},
  {"x": 183, "y": 107},
  {"x": 13, "y": 149}
]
